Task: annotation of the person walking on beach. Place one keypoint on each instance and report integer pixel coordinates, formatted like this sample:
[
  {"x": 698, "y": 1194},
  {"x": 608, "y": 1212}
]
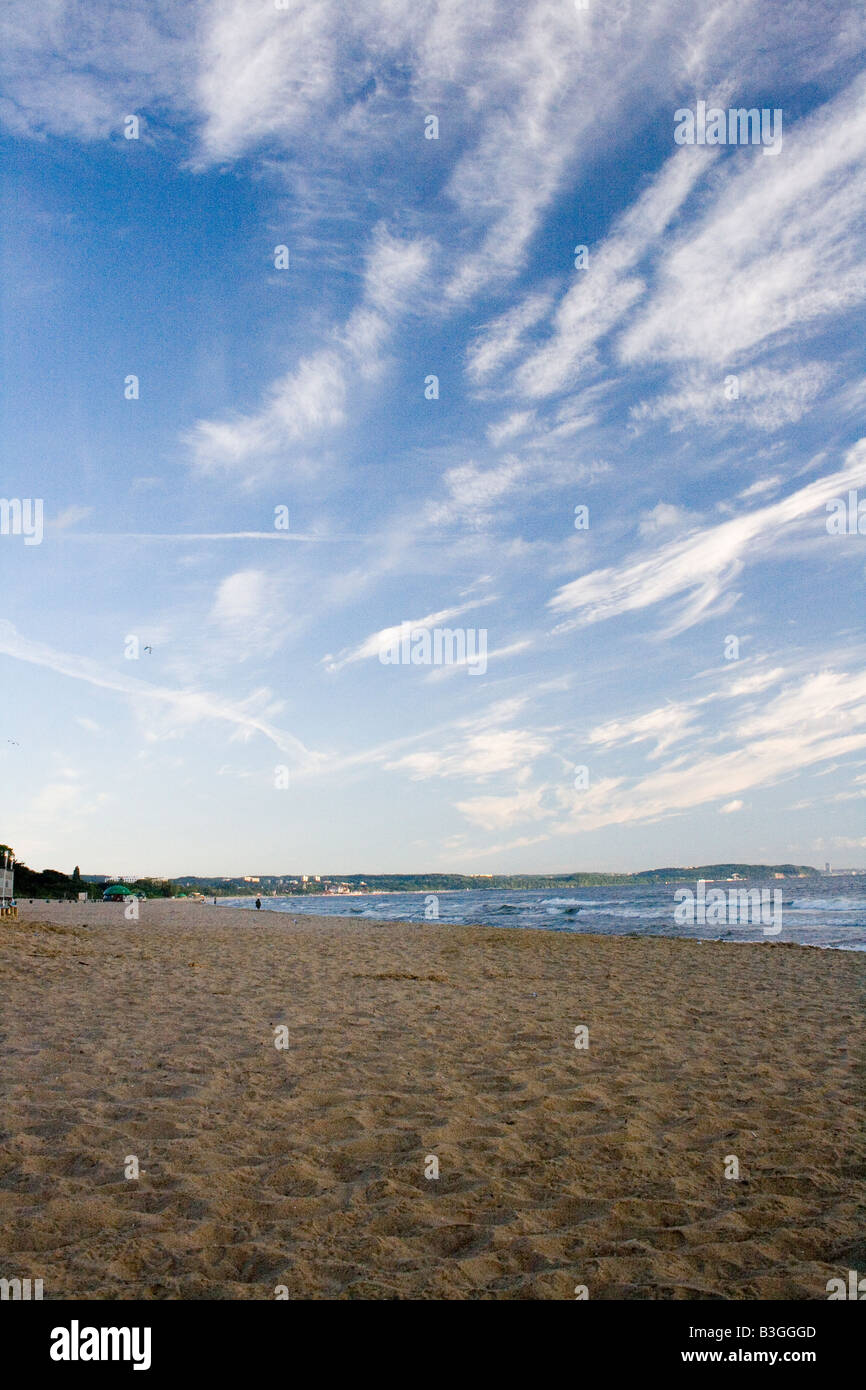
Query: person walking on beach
[{"x": 258, "y": 904}]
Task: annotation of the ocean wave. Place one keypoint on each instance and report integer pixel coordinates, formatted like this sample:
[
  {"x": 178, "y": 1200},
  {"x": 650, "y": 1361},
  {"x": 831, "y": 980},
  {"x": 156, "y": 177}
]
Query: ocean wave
[
  {"x": 838, "y": 922},
  {"x": 583, "y": 902},
  {"x": 665, "y": 910},
  {"x": 827, "y": 904}
]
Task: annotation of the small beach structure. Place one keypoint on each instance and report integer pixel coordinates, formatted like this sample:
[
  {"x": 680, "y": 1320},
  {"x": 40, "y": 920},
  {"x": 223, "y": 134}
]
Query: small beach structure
[
  {"x": 117, "y": 893},
  {"x": 7, "y": 894}
]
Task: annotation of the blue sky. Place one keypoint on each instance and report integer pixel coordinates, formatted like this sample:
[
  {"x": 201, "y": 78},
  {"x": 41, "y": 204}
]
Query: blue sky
[{"x": 699, "y": 385}]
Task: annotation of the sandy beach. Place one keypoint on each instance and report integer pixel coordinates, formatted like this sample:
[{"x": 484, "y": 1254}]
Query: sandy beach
[{"x": 304, "y": 1167}]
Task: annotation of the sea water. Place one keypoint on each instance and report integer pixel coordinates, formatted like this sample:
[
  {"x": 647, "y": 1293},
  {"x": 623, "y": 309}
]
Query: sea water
[{"x": 815, "y": 911}]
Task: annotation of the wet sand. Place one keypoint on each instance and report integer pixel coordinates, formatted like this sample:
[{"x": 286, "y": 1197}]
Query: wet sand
[{"x": 304, "y": 1167}]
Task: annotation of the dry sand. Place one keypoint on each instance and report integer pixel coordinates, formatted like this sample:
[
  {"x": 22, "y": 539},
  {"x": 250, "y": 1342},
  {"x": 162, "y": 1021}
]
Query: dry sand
[{"x": 306, "y": 1167}]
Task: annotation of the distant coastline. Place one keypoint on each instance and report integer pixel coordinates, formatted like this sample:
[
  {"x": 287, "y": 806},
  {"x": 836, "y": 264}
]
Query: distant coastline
[
  {"x": 360, "y": 885},
  {"x": 53, "y": 884}
]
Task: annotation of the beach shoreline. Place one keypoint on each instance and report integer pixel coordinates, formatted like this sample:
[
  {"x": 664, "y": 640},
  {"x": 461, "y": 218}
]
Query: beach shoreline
[{"x": 307, "y": 1168}]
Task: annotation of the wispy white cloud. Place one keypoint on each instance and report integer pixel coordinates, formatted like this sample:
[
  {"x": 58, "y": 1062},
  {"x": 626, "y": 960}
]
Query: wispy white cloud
[
  {"x": 68, "y": 517},
  {"x": 48, "y": 813},
  {"x": 760, "y": 486},
  {"x": 502, "y": 338},
  {"x": 701, "y": 564},
  {"x": 536, "y": 62},
  {"x": 816, "y": 719},
  {"x": 242, "y": 598},
  {"x": 765, "y": 397},
  {"x": 311, "y": 398},
  {"x": 665, "y": 517},
  {"x": 263, "y": 72},
  {"x": 477, "y": 755},
  {"x": 778, "y": 250},
  {"x": 516, "y": 423},
  {"x": 497, "y": 813},
  {"x": 603, "y": 293},
  {"x": 477, "y": 748},
  {"x": 77, "y": 67},
  {"x": 386, "y": 637},
  {"x": 523, "y": 644},
  {"x": 665, "y": 726},
  {"x": 677, "y": 720},
  {"x": 474, "y": 493},
  {"x": 185, "y": 708}
]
